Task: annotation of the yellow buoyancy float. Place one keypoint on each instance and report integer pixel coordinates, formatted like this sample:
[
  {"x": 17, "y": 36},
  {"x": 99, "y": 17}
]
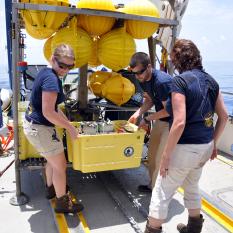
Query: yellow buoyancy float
[
  {"x": 47, "y": 48},
  {"x": 115, "y": 49},
  {"x": 78, "y": 39},
  {"x": 94, "y": 61},
  {"x": 96, "y": 25},
  {"x": 96, "y": 80},
  {"x": 42, "y": 24},
  {"x": 112, "y": 86},
  {"x": 141, "y": 29},
  {"x": 38, "y": 33},
  {"x": 118, "y": 89}
]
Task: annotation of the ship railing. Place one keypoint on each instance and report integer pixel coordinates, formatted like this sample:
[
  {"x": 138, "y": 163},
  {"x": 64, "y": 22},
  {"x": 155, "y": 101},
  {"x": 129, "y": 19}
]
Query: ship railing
[{"x": 230, "y": 94}]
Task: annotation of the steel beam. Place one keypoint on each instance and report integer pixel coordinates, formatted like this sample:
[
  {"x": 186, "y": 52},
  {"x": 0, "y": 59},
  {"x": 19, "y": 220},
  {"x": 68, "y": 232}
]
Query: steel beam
[{"x": 77, "y": 11}]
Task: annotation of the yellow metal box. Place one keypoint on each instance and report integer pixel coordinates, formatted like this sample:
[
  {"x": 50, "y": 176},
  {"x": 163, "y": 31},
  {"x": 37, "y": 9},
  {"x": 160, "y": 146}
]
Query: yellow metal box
[
  {"x": 101, "y": 152},
  {"x": 26, "y": 150}
]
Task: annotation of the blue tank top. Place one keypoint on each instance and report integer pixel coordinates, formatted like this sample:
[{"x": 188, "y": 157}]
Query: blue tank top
[
  {"x": 46, "y": 80},
  {"x": 201, "y": 92}
]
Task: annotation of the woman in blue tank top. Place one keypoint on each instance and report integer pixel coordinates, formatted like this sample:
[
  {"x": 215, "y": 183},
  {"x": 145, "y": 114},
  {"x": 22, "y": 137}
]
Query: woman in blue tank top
[
  {"x": 41, "y": 118},
  {"x": 194, "y": 99}
]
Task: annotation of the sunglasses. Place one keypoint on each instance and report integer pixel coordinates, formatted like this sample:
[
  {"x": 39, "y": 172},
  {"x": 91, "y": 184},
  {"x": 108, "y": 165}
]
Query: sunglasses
[
  {"x": 64, "y": 66},
  {"x": 139, "y": 72}
]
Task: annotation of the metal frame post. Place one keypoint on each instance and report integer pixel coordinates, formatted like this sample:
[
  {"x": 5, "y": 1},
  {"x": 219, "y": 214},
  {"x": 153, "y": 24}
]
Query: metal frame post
[
  {"x": 19, "y": 198},
  {"x": 152, "y": 51},
  {"x": 82, "y": 87},
  {"x": 174, "y": 36},
  {"x": 8, "y": 7}
]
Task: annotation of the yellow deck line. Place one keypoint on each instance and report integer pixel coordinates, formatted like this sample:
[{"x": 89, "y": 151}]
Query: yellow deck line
[
  {"x": 61, "y": 220},
  {"x": 225, "y": 160},
  {"x": 219, "y": 216},
  {"x": 84, "y": 223},
  {"x": 215, "y": 213},
  {"x": 81, "y": 218}
]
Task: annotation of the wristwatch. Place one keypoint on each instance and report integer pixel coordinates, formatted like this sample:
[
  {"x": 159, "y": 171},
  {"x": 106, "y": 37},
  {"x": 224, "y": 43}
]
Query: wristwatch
[{"x": 147, "y": 121}]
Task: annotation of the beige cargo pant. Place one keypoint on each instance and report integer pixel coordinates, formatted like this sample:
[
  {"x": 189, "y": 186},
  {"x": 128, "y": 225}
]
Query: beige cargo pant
[
  {"x": 158, "y": 139},
  {"x": 185, "y": 168}
]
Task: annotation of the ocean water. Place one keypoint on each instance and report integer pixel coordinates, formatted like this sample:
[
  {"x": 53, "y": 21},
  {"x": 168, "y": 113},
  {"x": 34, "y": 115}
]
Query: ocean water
[{"x": 221, "y": 71}]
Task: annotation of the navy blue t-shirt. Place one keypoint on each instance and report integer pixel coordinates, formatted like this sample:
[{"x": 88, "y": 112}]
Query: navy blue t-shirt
[
  {"x": 46, "y": 80},
  {"x": 201, "y": 92},
  {"x": 158, "y": 88}
]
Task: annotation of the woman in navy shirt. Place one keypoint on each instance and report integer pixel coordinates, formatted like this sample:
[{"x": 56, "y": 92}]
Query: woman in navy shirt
[
  {"x": 41, "y": 118},
  {"x": 195, "y": 97}
]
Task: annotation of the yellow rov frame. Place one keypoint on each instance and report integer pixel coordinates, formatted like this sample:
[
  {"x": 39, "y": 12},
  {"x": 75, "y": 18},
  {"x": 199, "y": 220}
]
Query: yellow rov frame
[
  {"x": 94, "y": 153},
  {"x": 89, "y": 153}
]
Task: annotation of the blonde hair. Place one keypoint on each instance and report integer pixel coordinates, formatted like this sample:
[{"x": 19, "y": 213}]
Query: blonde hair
[{"x": 64, "y": 50}]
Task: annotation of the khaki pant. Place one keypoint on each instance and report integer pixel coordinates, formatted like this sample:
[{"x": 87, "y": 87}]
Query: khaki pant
[
  {"x": 158, "y": 139},
  {"x": 185, "y": 168},
  {"x": 45, "y": 139}
]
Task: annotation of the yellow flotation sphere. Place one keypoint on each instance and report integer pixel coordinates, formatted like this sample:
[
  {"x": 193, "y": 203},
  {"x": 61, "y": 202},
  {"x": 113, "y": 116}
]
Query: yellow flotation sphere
[
  {"x": 47, "y": 49},
  {"x": 96, "y": 25},
  {"x": 78, "y": 39},
  {"x": 112, "y": 86},
  {"x": 97, "y": 4},
  {"x": 42, "y": 24},
  {"x": 141, "y": 29},
  {"x": 94, "y": 61},
  {"x": 118, "y": 89},
  {"x": 99, "y": 76},
  {"x": 115, "y": 49},
  {"x": 38, "y": 33},
  {"x": 96, "y": 80}
]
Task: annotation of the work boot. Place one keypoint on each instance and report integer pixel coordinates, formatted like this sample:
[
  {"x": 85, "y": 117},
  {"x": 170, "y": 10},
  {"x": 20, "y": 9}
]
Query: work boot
[
  {"x": 65, "y": 204},
  {"x": 149, "y": 229},
  {"x": 50, "y": 191},
  {"x": 194, "y": 225}
]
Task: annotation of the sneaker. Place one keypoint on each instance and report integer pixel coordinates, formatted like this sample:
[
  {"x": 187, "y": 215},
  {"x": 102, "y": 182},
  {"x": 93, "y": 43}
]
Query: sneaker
[{"x": 144, "y": 189}]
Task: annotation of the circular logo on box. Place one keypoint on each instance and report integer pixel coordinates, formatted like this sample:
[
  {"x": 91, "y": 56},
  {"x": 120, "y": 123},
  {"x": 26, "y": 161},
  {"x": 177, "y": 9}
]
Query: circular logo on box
[{"x": 129, "y": 151}]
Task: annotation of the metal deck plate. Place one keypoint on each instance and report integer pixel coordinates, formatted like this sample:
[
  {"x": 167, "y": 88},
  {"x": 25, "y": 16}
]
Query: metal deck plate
[{"x": 226, "y": 197}]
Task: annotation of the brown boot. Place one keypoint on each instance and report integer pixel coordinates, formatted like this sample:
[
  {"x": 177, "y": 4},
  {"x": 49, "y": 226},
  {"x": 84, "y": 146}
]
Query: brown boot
[
  {"x": 65, "y": 204},
  {"x": 194, "y": 225},
  {"x": 149, "y": 229},
  {"x": 50, "y": 191}
]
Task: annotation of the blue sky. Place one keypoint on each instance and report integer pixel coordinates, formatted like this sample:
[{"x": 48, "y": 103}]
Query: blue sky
[{"x": 207, "y": 22}]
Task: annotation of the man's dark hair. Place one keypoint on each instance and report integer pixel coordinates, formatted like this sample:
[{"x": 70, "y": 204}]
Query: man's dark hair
[
  {"x": 140, "y": 58},
  {"x": 186, "y": 56}
]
